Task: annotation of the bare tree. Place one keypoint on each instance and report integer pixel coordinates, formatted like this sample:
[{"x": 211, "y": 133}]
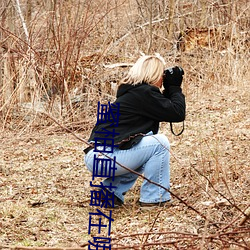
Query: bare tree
[
  {"x": 150, "y": 10},
  {"x": 171, "y": 19},
  {"x": 27, "y": 85},
  {"x": 203, "y": 22},
  {"x": 6, "y": 62}
]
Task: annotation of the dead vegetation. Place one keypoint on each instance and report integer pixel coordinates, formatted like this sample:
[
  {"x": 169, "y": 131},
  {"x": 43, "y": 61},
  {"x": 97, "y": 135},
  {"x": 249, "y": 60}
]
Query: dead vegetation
[{"x": 56, "y": 57}]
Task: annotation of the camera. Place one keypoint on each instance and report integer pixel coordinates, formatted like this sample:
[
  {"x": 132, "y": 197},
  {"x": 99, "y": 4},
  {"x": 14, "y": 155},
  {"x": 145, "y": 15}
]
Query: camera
[
  {"x": 173, "y": 76},
  {"x": 171, "y": 71}
]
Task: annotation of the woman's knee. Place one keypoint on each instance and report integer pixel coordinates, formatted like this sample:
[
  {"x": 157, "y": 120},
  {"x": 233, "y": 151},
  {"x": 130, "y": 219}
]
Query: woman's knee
[{"x": 163, "y": 140}]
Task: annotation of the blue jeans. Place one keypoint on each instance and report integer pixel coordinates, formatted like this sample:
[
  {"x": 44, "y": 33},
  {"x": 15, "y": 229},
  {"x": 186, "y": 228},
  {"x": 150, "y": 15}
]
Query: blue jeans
[{"x": 149, "y": 157}]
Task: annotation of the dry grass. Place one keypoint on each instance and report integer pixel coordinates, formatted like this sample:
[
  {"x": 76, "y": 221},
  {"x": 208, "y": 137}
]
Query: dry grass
[{"x": 44, "y": 185}]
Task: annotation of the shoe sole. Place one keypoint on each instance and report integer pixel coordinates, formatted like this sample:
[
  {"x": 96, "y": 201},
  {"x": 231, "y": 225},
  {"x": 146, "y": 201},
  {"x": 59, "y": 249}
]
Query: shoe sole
[{"x": 161, "y": 205}]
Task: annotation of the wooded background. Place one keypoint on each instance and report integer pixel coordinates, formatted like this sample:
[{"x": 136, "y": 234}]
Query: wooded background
[
  {"x": 59, "y": 58},
  {"x": 54, "y": 55}
]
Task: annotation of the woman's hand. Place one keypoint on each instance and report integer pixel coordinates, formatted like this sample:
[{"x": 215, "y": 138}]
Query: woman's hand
[{"x": 173, "y": 77}]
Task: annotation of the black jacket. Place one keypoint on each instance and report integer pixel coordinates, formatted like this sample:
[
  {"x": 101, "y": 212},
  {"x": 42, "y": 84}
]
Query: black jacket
[{"x": 141, "y": 109}]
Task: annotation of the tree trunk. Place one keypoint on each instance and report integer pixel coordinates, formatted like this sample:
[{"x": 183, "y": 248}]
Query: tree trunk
[
  {"x": 171, "y": 20},
  {"x": 28, "y": 87},
  {"x": 203, "y": 20},
  {"x": 6, "y": 67},
  {"x": 150, "y": 10}
]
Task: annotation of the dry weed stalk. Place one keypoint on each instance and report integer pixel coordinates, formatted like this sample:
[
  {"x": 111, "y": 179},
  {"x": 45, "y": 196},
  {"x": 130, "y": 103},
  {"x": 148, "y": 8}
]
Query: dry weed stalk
[
  {"x": 223, "y": 238},
  {"x": 234, "y": 225},
  {"x": 53, "y": 63},
  {"x": 71, "y": 42}
]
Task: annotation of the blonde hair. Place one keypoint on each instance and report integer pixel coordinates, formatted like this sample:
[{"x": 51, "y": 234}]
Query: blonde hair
[{"x": 148, "y": 69}]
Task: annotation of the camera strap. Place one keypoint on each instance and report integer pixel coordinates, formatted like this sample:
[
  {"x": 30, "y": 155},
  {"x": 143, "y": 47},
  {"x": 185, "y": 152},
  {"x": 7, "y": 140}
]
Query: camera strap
[{"x": 172, "y": 130}]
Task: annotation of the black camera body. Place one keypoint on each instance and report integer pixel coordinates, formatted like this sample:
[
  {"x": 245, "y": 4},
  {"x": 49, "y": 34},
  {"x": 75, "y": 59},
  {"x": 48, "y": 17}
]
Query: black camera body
[
  {"x": 169, "y": 70},
  {"x": 173, "y": 76}
]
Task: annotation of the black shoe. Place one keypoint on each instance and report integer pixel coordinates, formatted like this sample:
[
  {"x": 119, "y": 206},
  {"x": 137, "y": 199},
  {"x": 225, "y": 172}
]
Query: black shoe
[
  {"x": 149, "y": 206},
  {"x": 117, "y": 201}
]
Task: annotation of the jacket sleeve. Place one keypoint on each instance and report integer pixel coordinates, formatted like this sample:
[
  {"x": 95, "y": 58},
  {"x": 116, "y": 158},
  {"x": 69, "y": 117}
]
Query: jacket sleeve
[{"x": 169, "y": 107}]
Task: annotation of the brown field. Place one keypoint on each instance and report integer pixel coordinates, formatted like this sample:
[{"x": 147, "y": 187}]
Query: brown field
[{"x": 65, "y": 64}]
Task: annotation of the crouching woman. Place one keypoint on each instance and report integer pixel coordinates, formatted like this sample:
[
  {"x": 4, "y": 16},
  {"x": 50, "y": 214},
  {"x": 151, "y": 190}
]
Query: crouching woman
[{"x": 137, "y": 144}]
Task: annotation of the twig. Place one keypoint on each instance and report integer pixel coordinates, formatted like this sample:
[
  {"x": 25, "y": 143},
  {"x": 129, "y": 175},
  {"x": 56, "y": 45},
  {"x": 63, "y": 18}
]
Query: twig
[
  {"x": 235, "y": 244},
  {"x": 184, "y": 234},
  {"x": 39, "y": 248},
  {"x": 223, "y": 179},
  {"x": 19, "y": 11},
  {"x": 115, "y": 65},
  {"x": 181, "y": 237},
  {"x": 147, "y": 235},
  {"x": 156, "y": 233},
  {"x": 234, "y": 205},
  {"x": 231, "y": 223},
  {"x": 132, "y": 171},
  {"x": 147, "y": 244},
  {"x": 246, "y": 217}
]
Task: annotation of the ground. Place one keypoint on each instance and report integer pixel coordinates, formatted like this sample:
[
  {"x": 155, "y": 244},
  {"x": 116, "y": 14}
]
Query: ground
[{"x": 45, "y": 190}]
